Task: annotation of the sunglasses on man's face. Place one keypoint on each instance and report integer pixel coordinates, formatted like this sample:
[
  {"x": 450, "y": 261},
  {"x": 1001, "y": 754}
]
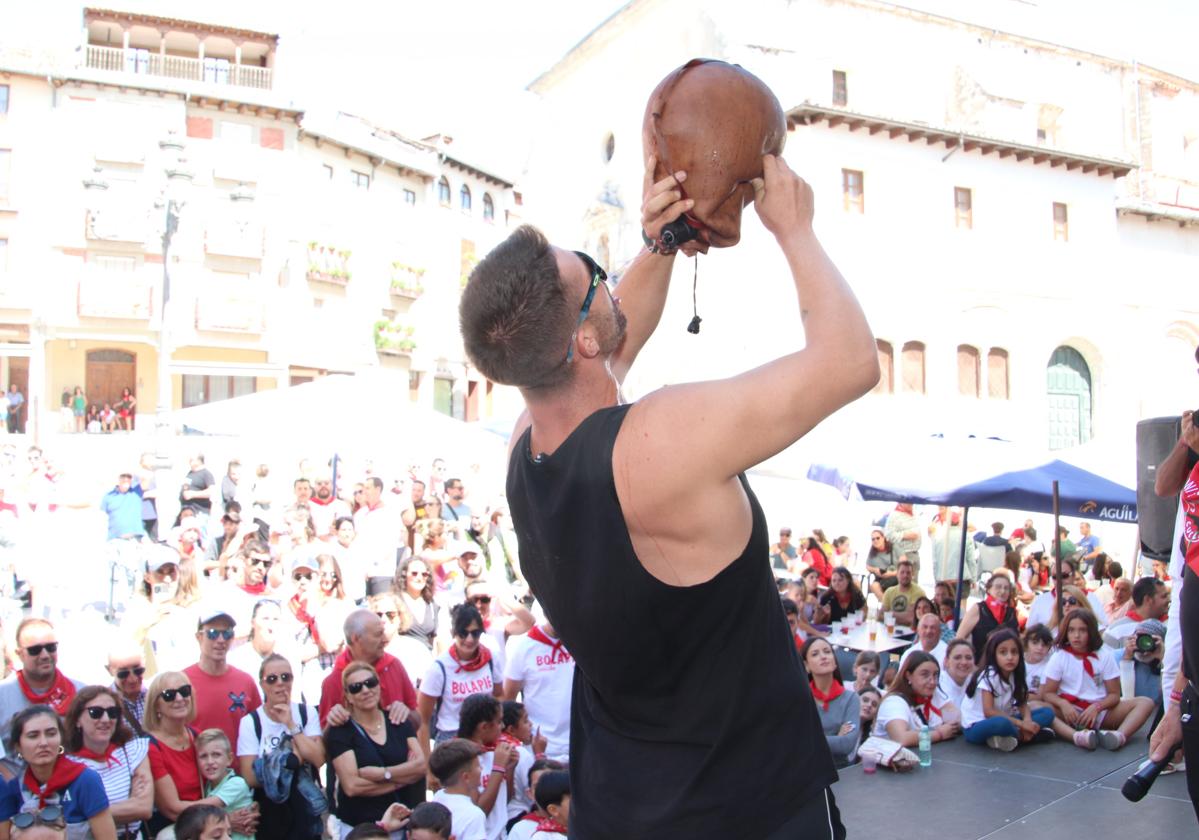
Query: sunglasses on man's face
[
  {"x": 599, "y": 278},
  {"x": 260, "y": 561},
  {"x": 480, "y": 599},
  {"x": 97, "y": 712},
  {"x": 169, "y": 694},
  {"x": 368, "y": 683},
  {"x": 271, "y": 679},
  {"x": 123, "y": 673},
  {"x": 36, "y": 650},
  {"x": 214, "y": 633}
]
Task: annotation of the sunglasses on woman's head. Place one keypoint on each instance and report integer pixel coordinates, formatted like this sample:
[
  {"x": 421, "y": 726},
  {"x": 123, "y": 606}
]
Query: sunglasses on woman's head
[
  {"x": 123, "y": 673},
  {"x": 215, "y": 633},
  {"x": 97, "y": 712},
  {"x": 36, "y": 650},
  {"x": 356, "y": 687},
  {"x": 169, "y": 694},
  {"x": 271, "y": 679}
]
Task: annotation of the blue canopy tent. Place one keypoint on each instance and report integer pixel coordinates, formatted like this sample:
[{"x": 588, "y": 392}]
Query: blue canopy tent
[{"x": 977, "y": 472}]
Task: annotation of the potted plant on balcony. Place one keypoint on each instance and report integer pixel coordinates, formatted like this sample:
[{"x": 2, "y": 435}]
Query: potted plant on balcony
[{"x": 406, "y": 281}]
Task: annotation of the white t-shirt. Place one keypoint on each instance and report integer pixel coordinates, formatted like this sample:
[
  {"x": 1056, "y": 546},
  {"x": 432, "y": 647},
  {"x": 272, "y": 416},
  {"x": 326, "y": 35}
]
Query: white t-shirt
[
  {"x": 1034, "y": 673},
  {"x": 547, "y": 673},
  {"x": 897, "y": 708},
  {"x": 521, "y": 800},
  {"x": 248, "y": 742},
  {"x": 937, "y": 653},
  {"x": 467, "y": 821},
  {"x": 1001, "y": 690},
  {"x": 443, "y": 680},
  {"x": 413, "y": 655},
  {"x": 523, "y": 830},
  {"x": 956, "y": 693},
  {"x": 1072, "y": 675},
  {"x": 498, "y": 818}
]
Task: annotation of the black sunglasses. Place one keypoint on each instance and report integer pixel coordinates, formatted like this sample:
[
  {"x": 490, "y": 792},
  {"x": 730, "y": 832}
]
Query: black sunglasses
[
  {"x": 215, "y": 633},
  {"x": 302, "y": 576},
  {"x": 598, "y": 277},
  {"x": 473, "y": 634},
  {"x": 123, "y": 673},
  {"x": 1072, "y": 601},
  {"x": 260, "y": 561},
  {"x": 271, "y": 679},
  {"x": 97, "y": 712},
  {"x": 168, "y": 694},
  {"x": 36, "y": 650},
  {"x": 387, "y": 615},
  {"x": 356, "y": 687},
  {"x": 481, "y": 599},
  {"x": 51, "y": 815}
]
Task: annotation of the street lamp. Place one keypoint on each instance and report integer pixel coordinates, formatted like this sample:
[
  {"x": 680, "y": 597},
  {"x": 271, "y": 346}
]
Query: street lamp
[{"x": 178, "y": 176}]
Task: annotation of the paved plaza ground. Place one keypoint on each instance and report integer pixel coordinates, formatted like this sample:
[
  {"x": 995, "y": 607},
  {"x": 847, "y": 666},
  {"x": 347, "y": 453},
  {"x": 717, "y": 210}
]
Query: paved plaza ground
[{"x": 1045, "y": 791}]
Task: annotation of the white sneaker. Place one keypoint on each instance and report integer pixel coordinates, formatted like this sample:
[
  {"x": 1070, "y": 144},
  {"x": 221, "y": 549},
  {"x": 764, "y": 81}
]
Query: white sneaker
[
  {"x": 1086, "y": 738},
  {"x": 1112, "y": 740},
  {"x": 1005, "y": 743}
]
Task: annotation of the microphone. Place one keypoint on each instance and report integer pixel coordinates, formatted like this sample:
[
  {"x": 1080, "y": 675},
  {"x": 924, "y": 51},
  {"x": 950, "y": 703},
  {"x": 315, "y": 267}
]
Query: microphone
[{"x": 1138, "y": 784}]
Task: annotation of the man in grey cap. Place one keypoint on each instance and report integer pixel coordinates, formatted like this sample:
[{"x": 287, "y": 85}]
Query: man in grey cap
[{"x": 223, "y": 694}]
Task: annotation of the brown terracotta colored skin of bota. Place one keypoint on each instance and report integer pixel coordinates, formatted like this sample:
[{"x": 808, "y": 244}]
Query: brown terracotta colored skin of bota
[{"x": 714, "y": 121}]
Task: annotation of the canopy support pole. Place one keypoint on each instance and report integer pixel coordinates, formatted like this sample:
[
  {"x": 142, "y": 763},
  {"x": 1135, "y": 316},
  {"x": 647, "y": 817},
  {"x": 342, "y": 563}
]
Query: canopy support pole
[
  {"x": 957, "y": 593},
  {"x": 1057, "y": 551}
]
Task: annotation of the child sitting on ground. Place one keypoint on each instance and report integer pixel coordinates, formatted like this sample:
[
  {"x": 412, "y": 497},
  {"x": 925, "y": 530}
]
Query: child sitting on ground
[
  {"x": 215, "y": 755},
  {"x": 525, "y": 826},
  {"x": 455, "y": 763},
  {"x": 995, "y": 710},
  {"x": 202, "y": 822},
  {"x": 518, "y": 733},
  {"x": 1038, "y": 644},
  {"x": 553, "y": 797}
]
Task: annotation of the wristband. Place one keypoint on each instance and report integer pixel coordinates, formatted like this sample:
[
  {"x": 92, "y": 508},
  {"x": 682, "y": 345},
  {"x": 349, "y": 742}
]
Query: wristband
[
  {"x": 502, "y": 773},
  {"x": 1175, "y": 695}
]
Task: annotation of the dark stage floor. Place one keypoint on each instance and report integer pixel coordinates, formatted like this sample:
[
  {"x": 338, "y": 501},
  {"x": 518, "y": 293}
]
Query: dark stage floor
[{"x": 1044, "y": 791}]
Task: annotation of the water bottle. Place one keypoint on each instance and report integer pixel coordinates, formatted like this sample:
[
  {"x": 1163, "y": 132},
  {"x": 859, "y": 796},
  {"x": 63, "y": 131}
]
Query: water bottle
[{"x": 926, "y": 747}]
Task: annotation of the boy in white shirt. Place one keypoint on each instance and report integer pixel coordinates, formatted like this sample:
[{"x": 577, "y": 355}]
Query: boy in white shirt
[
  {"x": 553, "y": 797},
  {"x": 455, "y": 763}
]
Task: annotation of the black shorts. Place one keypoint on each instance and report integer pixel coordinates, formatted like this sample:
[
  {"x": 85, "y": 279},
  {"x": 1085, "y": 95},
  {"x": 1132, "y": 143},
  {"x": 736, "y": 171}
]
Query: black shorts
[{"x": 818, "y": 819}]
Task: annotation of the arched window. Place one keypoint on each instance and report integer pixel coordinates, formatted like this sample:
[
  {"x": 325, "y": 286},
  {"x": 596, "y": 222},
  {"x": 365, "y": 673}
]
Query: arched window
[
  {"x": 912, "y": 363},
  {"x": 886, "y": 368},
  {"x": 443, "y": 191},
  {"x": 968, "y": 371},
  {"x": 1068, "y": 389},
  {"x": 488, "y": 208},
  {"x": 997, "y": 374},
  {"x": 464, "y": 199}
]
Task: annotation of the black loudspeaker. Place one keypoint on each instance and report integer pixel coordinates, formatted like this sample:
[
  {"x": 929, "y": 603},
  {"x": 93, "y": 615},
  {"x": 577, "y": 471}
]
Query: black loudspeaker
[{"x": 1155, "y": 515}]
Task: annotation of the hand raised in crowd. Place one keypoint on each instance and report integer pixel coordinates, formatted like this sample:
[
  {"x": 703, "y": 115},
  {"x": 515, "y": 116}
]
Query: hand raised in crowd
[
  {"x": 1190, "y": 434},
  {"x": 395, "y": 817},
  {"x": 662, "y": 202},
  {"x": 783, "y": 200},
  {"x": 505, "y": 757},
  {"x": 540, "y": 742}
]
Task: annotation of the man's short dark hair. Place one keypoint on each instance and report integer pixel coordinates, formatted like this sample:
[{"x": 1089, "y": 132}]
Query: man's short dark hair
[
  {"x": 451, "y": 483},
  {"x": 375, "y": 481},
  {"x": 254, "y": 546},
  {"x": 299, "y": 481},
  {"x": 1144, "y": 589},
  {"x": 515, "y": 315},
  {"x": 449, "y": 758},
  {"x": 904, "y": 560},
  {"x": 552, "y": 787},
  {"x": 997, "y": 527},
  {"x": 1030, "y": 532},
  {"x": 368, "y": 831},
  {"x": 476, "y": 710}
]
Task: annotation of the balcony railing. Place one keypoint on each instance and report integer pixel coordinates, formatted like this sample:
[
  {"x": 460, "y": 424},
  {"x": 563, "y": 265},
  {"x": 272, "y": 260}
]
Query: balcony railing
[
  {"x": 214, "y": 70},
  {"x": 125, "y": 295},
  {"x": 230, "y": 312}
]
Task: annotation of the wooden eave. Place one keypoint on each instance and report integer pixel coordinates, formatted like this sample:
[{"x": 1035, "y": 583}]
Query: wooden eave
[
  {"x": 176, "y": 25},
  {"x": 811, "y": 115},
  {"x": 478, "y": 173}
]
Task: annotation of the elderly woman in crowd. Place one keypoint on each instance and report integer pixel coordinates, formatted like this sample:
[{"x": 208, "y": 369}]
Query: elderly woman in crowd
[
  {"x": 52, "y": 779},
  {"x": 373, "y": 757},
  {"x": 99, "y": 738},
  {"x": 913, "y": 702},
  {"x": 262, "y": 731},
  {"x": 170, "y": 708},
  {"x": 839, "y": 708}
]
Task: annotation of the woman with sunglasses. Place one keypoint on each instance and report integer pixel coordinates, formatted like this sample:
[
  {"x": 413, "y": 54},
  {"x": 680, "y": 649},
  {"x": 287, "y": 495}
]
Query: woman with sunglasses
[
  {"x": 412, "y": 653},
  {"x": 1073, "y": 598},
  {"x": 99, "y": 738},
  {"x": 414, "y": 585},
  {"x": 262, "y": 731},
  {"x": 162, "y": 620},
  {"x": 466, "y": 668},
  {"x": 170, "y": 708},
  {"x": 373, "y": 758},
  {"x": 53, "y": 790}
]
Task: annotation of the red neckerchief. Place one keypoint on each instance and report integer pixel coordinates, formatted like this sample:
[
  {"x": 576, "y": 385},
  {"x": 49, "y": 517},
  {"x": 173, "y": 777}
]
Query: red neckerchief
[
  {"x": 253, "y": 588},
  {"x": 299, "y": 609},
  {"x": 998, "y": 608},
  {"x": 1086, "y": 661},
  {"x": 798, "y": 642},
  {"x": 510, "y": 740},
  {"x": 474, "y": 664},
  {"x": 65, "y": 771},
  {"x": 835, "y": 691},
  {"x": 104, "y": 758},
  {"x": 316, "y": 501},
  {"x": 539, "y": 635},
  {"x": 550, "y": 824},
  {"x": 532, "y": 816},
  {"x": 58, "y": 697},
  {"x": 1134, "y": 615},
  {"x": 925, "y": 704},
  {"x": 487, "y": 623}
]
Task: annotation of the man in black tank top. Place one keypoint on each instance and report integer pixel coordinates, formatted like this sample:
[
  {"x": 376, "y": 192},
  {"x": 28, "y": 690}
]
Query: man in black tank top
[{"x": 691, "y": 716}]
